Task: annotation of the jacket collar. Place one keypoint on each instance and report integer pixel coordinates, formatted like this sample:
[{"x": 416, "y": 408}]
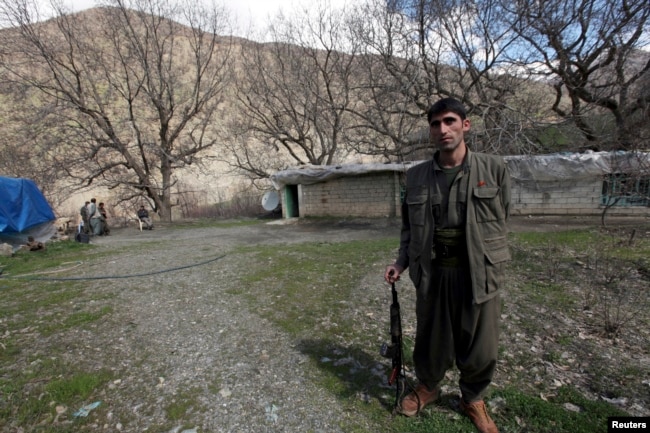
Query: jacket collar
[{"x": 466, "y": 165}]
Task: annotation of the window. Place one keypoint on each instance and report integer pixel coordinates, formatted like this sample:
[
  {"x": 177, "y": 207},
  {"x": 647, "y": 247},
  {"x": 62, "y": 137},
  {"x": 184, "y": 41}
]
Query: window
[{"x": 625, "y": 190}]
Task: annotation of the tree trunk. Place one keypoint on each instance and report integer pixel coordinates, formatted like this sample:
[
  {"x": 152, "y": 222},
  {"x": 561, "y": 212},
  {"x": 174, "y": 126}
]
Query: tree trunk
[{"x": 165, "y": 196}]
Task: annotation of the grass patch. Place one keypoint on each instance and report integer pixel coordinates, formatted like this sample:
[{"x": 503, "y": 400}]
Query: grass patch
[
  {"x": 33, "y": 377},
  {"x": 306, "y": 288},
  {"x": 57, "y": 255},
  {"x": 551, "y": 294},
  {"x": 568, "y": 411},
  {"x": 77, "y": 388},
  {"x": 182, "y": 405},
  {"x": 84, "y": 317},
  {"x": 612, "y": 242},
  {"x": 39, "y": 403},
  {"x": 576, "y": 239},
  {"x": 216, "y": 223}
]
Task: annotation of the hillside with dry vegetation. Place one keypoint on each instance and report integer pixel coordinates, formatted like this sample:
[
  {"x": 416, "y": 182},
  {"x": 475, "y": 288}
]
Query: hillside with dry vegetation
[{"x": 149, "y": 101}]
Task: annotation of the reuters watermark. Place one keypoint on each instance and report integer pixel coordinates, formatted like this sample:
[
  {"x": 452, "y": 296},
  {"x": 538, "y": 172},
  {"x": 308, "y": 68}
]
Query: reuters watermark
[{"x": 628, "y": 424}]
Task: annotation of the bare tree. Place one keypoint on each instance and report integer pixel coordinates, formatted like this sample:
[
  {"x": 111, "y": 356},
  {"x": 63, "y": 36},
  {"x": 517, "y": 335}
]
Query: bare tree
[
  {"x": 421, "y": 50},
  {"x": 523, "y": 69},
  {"x": 387, "y": 120},
  {"x": 294, "y": 94},
  {"x": 131, "y": 94},
  {"x": 19, "y": 157},
  {"x": 589, "y": 49}
]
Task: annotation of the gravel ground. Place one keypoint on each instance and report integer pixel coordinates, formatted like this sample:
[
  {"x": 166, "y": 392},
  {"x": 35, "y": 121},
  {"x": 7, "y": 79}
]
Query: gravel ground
[
  {"x": 185, "y": 335},
  {"x": 181, "y": 332}
]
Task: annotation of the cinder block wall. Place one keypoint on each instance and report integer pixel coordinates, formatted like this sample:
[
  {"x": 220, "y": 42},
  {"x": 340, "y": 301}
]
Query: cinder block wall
[
  {"x": 370, "y": 195},
  {"x": 378, "y": 195},
  {"x": 566, "y": 197}
]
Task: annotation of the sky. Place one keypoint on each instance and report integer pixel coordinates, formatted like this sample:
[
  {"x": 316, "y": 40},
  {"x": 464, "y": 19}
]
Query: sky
[{"x": 247, "y": 13}]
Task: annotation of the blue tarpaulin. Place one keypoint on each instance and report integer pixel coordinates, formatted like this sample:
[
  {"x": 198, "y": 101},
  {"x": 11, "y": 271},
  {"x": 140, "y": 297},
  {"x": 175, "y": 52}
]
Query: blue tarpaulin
[{"x": 22, "y": 206}]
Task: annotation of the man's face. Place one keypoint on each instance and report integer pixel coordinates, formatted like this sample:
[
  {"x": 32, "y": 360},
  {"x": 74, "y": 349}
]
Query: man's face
[{"x": 447, "y": 130}]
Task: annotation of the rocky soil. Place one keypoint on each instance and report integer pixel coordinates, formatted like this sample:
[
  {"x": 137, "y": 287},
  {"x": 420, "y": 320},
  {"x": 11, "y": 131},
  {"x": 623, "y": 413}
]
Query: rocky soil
[{"x": 179, "y": 331}]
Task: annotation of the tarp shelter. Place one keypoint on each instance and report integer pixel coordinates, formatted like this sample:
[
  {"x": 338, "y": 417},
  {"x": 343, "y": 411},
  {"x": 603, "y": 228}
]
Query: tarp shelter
[
  {"x": 24, "y": 212},
  {"x": 526, "y": 168}
]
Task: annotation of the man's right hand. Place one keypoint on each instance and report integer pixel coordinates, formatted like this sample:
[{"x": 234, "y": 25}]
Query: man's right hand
[{"x": 392, "y": 273}]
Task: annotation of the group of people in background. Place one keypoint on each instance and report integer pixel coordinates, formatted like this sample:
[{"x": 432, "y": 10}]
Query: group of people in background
[{"x": 94, "y": 218}]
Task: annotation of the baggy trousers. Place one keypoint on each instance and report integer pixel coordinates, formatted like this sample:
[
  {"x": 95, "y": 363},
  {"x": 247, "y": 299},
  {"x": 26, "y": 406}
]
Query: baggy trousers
[
  {"x": 450, "y": 327},
  {"x": 96, "y": 226}
]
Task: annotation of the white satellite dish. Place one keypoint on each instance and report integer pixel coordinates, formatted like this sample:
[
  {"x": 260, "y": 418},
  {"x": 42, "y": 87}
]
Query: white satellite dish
[{"x": 270, "y": 201}]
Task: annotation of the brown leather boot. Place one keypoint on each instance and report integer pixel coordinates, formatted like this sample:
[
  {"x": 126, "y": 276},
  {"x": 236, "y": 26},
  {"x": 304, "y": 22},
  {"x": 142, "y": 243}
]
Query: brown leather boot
[
  {"x": 413, "y": 403},
  {"x": 477, "y": 412}
]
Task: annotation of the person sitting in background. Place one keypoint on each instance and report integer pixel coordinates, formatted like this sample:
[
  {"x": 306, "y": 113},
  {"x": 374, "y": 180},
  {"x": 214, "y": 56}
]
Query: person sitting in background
[
  {"x": 33, "y": 245},
  {"x": 144, "y": 217}
]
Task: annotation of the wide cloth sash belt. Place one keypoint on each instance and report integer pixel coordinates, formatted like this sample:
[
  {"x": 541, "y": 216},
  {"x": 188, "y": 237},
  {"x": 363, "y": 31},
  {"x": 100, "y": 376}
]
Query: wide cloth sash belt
[
  {"x": 449, "y": 247},
  {"x": 447, "y": 251}
]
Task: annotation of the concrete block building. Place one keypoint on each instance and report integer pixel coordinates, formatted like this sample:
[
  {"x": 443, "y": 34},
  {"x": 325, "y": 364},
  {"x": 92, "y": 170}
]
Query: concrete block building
[{"x": 559, "y": 184}]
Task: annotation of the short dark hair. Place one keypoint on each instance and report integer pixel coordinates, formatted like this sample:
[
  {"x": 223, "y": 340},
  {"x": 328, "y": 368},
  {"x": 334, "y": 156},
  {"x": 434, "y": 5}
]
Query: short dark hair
[{"x": 445, "y": 105}]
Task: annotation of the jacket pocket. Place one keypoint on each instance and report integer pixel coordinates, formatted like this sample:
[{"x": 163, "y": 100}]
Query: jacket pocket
[
  {"x": 417, "y": 202},
  {"x": 497, "y": 254},
  {"x": 487, "y": 204},
  {"x": 416, "y": 199}
]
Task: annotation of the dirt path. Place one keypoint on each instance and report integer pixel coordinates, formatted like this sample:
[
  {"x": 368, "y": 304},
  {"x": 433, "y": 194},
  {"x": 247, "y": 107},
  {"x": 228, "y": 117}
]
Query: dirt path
[{"x": 184, "y": 334}]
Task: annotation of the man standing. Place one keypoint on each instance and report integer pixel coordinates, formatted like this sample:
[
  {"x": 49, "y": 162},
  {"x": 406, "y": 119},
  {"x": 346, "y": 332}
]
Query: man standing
[
  {"x": 84, "y": 217},
  {"x": 95, "y": 218},
  {"x": 454, "y": 242}
]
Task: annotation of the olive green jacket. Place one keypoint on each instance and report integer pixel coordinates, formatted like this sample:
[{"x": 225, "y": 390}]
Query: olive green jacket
[{"x": 488, "y": 203}]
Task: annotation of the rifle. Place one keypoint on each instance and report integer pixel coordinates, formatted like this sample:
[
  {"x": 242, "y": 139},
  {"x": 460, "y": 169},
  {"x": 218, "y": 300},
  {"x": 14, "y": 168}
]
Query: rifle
[{"x": 395, "y": 350}]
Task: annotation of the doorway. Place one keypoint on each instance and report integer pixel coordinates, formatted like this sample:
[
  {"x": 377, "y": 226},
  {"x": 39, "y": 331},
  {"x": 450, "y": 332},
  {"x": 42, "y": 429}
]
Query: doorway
[{"x": 291, "y": 200}]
